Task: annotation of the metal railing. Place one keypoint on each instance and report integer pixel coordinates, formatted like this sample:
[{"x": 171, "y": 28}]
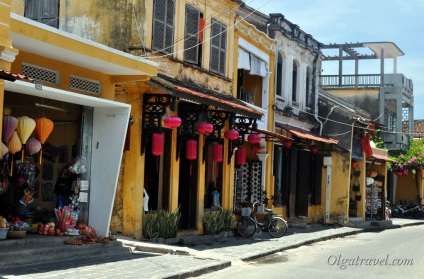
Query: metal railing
[{"x": 353, "y": 81}]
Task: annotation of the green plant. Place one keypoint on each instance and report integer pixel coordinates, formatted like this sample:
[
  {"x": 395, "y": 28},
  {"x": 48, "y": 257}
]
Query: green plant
[
  {"x": 215, "y": 222},
  {"x": 161, "y": 224}
]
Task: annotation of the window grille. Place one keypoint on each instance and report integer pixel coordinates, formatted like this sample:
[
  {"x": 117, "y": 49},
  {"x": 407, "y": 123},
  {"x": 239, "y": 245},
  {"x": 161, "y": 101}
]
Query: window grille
[
  {"x": 86, "y": 85},
  {"x": 40, "y": 73}
]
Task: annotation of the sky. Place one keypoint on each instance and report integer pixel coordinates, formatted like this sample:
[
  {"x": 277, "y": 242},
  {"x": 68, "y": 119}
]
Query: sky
[{"x": 351, "y": 21}]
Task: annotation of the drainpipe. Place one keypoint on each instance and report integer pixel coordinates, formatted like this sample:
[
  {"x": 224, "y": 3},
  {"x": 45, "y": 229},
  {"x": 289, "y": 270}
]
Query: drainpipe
[
  {"x": 321, "y": 124},
  {"x": 328, "y": 161}
]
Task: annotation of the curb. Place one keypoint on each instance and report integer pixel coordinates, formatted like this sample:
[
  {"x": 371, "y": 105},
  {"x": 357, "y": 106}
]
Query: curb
[{"x": 200, "y": 271}]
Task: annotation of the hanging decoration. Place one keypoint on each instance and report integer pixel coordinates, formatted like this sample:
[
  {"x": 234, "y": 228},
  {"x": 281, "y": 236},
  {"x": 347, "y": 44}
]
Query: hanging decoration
[
  {"x": 354, "y": 164},
  {"x": 191, "y": 152},
  {"x": 313, "y": 149},
  {"x": 172, "y": 122},
  {"x": 241, "y": 156},
  {"x": 43, "y": 129},
  {"x": 157, "y": 147},
  {"x": 32, "y": 146},
  {"x": 205, "y": 128},
  {"x": 14, "y": 145},
  {"x": 231, "y": 134},
  {"x": 366, "y": 146},
  {"x": 256, "y": 148},
  {"x": 25, "y": 128},
  {"x": 4, "y": 150},
  {"x": 254, "y": 138},
  {"x": 217, "y": 152},
  {"x": 287, "y": 144},
  {"x": 9, "y": 126}
]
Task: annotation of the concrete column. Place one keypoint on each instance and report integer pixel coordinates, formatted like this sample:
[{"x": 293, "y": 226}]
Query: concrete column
[
  {"x": 382, "y": 68},
  {"x": 340, "y": 67}
]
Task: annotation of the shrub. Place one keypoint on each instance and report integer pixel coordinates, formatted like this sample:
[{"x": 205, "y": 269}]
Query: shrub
[
  {"x": 161, "y": 224},
  {"x": 215, "y": 222}
]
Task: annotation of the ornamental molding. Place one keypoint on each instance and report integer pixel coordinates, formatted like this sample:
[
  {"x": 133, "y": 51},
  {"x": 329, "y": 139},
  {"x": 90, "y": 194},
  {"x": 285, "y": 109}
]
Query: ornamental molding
[{"x": 8, "y": 55}]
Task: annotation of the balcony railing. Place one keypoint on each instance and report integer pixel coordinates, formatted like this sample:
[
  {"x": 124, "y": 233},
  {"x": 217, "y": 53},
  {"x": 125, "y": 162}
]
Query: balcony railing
[{"x": 352, "y": 81}]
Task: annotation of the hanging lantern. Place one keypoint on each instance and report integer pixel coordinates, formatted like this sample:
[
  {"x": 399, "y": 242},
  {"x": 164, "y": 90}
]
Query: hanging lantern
[
  {"x": 32, "y": 146},
  {"x": 254, "y": 138},
  {"x": 354, "y": 164},
  {"x": 4, "y": 150},
  {"x": 205, "y": 128},
  {"x": 157, "y": 147},
  {"x": 25, "y": 128},
  {"x": 231, "y": 134},
  {"x": 217, "y": 152},
  {"x": 14, "y": 145},
  {"x": 313, "y": 149},
  {"x": 191, "y": 152},
  {"x": 241, "y": 156},
  {"x": 287, "y": 143},
  {"x": 9, "y": 126},
  {"x": 256, "y": 148},
  {"x": 43, "y": 129},
  {"x": 172, "y": 122}
]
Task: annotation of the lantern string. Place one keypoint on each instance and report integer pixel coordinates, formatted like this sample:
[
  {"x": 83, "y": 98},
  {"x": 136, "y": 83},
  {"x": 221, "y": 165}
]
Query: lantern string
[
  {"x": 191, "y": 167},
  {"x": 157, "y": 164}
]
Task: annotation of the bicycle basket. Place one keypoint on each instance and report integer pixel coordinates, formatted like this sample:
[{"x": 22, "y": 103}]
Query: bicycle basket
[{"x": 245, "y": 211}]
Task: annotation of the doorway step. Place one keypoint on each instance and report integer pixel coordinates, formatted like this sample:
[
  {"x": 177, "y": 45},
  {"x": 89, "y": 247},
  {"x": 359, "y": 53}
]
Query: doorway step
[{"x": 299, "y": 222}]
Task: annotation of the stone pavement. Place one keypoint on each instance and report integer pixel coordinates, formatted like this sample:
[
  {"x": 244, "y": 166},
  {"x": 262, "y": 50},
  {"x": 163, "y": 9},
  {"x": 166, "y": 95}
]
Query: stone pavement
[{"x": 194, "y": 256}]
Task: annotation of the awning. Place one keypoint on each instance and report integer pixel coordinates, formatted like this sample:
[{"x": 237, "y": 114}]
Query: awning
[
  {"x": 382, "y": 157},
  {"x": 13, "y": 76},
  {"x": 201, "y": 95},
  {"x": 271, "y": 136},
  {"x": 306, "y": 135}
]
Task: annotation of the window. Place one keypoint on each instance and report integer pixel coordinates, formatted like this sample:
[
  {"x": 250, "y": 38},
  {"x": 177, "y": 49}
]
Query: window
[
  {"x": 193, "y": 38},
  {"x": 218, "y": 47},
  {"x": 294, "y": 82},
  {"x": 163, "y": 26},
  {"x": 44, "y": 11},
  {"x": 279, "y": 75}
]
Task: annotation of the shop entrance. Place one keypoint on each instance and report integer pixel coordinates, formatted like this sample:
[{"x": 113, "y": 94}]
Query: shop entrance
[
  {"x": 187, "y": 193},
  {"x": 157, "y": 175}
]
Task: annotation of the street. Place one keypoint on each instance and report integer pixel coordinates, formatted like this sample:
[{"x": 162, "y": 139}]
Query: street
[{"x": 388, "y": 254}]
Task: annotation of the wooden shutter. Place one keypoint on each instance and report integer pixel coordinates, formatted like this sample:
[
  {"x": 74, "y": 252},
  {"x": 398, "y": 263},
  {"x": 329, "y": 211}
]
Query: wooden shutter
[
  {"x": 191, "y": 46},
  {"x": 317, "y": 180},
  {"x": 218, "y": 47},
  {"x": 163, "y": 26},
  {"x": 44, "y": 11}
]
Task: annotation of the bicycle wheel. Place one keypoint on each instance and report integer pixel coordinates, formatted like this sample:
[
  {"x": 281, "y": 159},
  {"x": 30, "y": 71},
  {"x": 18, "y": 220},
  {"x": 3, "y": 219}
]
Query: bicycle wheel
[
  {"x": 277, "y": 227},
  {"x": 246, "y": 227}
]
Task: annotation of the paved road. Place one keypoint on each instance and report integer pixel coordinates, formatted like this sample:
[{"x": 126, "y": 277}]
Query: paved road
[
  {"x": 388, "y": 254},
  {"x": 194, "y": 259}
]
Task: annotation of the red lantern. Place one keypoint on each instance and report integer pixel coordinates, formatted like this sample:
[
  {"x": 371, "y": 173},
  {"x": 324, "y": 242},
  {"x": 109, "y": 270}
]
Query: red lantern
[
  {"x": 157, "y": 147},
  {"x": 191, "y": 151},
  {"x": 217, "y": 152},
  {"x": 205, "y": 128},
  {"x": 314, "y": 149},
  {"x": 256, "y": 148},
  {"x": 241, "y": 156},
  {"x": 231, "y": 134},
  {"x": 354, "y": 164},
  {"x": 254, "y": 138},
  {"x": 287, "y": 143},
  {"x": 172, "y": 122}
]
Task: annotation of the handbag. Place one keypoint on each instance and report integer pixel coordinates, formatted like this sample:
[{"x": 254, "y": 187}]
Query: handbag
[{"x": 356, "y": 187}]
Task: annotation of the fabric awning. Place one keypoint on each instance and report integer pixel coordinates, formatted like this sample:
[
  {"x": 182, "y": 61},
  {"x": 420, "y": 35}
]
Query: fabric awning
[
  {"x": 382, "y": 157},
  {"x": 201, "y": 95},
  {"x": 13, "y": 76},
  {"x": 306, "y": 135},
  {"x": 271, "y": 135}
]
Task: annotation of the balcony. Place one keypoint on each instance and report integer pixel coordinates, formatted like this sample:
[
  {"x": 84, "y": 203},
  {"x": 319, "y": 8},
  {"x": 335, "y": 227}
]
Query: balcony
[{"x": 351, "y": 81}]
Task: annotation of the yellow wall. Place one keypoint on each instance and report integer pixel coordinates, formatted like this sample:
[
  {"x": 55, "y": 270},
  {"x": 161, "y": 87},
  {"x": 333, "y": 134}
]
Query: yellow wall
[{"x": 340, "y": 181}]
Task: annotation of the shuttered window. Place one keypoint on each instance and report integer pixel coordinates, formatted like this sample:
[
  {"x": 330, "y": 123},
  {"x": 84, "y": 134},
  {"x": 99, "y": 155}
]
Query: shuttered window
[
  {"x": 191, "y": 42},
  {"x": 218, "y": 47},
  {"x": 44, "y": 11},
  {"x": 163, "y": 26}
]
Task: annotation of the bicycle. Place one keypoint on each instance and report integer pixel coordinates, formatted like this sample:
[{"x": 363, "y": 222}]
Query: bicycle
[{"x": 248, "y": 224}]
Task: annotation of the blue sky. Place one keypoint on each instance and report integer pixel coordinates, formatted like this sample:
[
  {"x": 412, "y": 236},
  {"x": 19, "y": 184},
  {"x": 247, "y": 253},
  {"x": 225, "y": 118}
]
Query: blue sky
[{"x": 341, "y": 21}]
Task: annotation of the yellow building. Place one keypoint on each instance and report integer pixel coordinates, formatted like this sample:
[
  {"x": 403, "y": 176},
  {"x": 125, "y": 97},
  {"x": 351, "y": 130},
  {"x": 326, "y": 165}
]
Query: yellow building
[{"x": 47, "y": 72}]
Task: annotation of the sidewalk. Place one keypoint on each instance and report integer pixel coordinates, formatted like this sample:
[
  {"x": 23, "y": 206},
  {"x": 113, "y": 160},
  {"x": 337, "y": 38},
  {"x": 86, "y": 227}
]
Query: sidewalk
[{"x": 197, "y": 255}]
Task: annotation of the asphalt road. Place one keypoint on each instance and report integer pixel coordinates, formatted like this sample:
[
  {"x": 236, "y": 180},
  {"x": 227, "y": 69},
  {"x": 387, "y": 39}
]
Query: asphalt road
[{"x": 389, "y": 254}]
